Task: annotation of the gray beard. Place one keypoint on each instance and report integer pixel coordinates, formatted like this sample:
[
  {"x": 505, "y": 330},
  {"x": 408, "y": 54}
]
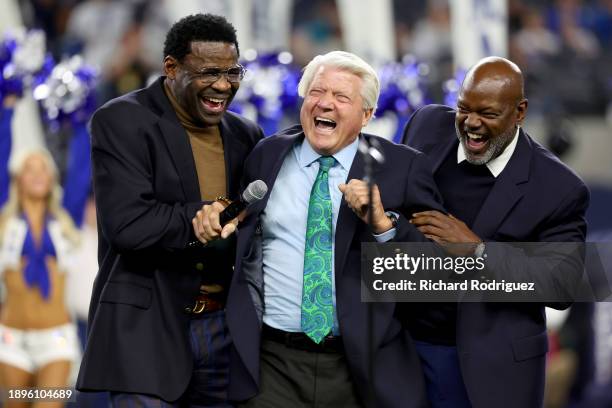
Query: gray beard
[{"x": 496, "y": 146}]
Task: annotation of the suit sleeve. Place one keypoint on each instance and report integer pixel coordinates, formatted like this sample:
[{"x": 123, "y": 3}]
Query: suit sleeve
[
  {"x": 555, "y": 262},
  {"x": 407, "y": 136},
  {"x": 429, "y": 124},
  {"x": 420, "y": 194},
  {"x": 123, "y": 186},
  {"x": 259, "y": 134}
]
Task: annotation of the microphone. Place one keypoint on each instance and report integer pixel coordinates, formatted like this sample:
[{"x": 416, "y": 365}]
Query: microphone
[
  {"x": 254, "y": 192},
  {"x": 372, "y": 150}
]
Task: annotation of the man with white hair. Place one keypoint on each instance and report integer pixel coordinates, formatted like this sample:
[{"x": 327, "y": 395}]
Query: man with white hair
[{"x": 294, "y": 309}]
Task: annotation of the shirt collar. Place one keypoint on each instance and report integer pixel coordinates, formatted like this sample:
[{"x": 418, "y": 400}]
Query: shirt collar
[
  {"x": 498, "y": 164},
  {"x": 306, "y": 154}
]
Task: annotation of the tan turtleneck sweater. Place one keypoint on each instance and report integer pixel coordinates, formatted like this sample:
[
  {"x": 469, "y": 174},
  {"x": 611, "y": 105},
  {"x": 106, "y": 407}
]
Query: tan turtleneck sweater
[{"x": 207, "y": 149}]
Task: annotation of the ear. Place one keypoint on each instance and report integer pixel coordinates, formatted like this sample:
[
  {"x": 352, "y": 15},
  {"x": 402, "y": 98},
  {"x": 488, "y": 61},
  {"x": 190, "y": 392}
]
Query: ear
[
  {"x": 367, "y": 115},
  {"x": 170, "y": 66},
  {"x": 521, "y": 111}
]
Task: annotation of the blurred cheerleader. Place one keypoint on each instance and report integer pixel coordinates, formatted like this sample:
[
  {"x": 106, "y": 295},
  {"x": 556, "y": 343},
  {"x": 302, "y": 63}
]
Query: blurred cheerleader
[{"x": 38, "y": 341}]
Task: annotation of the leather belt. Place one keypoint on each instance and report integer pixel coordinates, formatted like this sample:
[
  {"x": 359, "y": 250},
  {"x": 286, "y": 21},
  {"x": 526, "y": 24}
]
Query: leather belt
[
  {"x": 206, "y": 303},
  {"x": 300, "y": 341}
]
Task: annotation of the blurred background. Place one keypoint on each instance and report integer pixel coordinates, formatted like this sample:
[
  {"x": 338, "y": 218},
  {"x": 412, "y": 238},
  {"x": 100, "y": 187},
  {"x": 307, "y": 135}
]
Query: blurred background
[{"x": 60, "y": 59}]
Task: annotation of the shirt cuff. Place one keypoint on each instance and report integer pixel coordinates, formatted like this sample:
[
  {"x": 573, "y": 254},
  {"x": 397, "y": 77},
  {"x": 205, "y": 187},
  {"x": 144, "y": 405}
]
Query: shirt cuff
[{"x": 387, "y": 235}]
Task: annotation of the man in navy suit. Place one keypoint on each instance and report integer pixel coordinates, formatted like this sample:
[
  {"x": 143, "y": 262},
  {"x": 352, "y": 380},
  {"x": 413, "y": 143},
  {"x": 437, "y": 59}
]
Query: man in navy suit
[
  {"x": 294, "y": 312},
  {"x": 160, "y": 155},
  {"x": 498, "y": 184}
]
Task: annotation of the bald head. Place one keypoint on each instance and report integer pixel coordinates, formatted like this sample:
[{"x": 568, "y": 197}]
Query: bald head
[
  {"x": 490, "y": 107},
  {"x": 496, "y": 73}
]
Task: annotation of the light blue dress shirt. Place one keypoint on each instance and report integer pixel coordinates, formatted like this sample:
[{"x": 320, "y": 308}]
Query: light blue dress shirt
[{"x": 284, "y": 232}]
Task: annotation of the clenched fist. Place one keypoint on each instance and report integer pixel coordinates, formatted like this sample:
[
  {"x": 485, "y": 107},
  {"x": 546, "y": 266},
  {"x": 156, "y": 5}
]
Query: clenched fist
[{"x": 356, "y": 196}]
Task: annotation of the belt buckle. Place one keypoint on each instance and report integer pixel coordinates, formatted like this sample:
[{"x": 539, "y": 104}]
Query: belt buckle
[{"x": 199, "y": 307}]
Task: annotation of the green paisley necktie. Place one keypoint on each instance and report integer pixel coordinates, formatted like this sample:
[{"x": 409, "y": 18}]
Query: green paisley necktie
[{"x": 317, "y": 306}]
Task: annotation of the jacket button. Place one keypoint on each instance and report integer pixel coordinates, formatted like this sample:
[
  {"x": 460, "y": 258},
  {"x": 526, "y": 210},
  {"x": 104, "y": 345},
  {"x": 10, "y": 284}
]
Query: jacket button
[{"x": 199, "y": 266}]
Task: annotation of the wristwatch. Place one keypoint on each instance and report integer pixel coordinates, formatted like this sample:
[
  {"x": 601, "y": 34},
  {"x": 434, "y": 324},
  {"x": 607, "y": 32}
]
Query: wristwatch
[
  {"x": 480, "y": 250},
  {"x": 223, "y": 199},
  {"x": 393, "y": 217}
]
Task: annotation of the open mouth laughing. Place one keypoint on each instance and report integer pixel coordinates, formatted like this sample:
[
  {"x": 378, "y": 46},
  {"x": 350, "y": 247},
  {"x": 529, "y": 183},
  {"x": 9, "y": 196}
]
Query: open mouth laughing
[
  {"x": 212, "y": 104},
  {"x": 324, "y": 124},
  {"x": 476, "y": 143}
]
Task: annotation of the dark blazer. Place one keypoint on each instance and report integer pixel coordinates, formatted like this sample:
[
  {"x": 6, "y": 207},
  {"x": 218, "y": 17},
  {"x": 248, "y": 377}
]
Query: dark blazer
[
  {"x": 406, "y": 185},
  {"x": 502, "y": 347},
  {"x": 147, "y": 193}
]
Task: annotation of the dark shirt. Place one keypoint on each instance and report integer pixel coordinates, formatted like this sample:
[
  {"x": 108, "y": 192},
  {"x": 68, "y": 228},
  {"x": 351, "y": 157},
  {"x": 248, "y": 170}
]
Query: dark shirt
[{"x": 464, "y": 188}]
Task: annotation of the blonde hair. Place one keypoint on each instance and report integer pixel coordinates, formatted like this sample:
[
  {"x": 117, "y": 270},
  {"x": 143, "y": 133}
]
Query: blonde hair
[
  {"x": 12, "y": 208},
  {"x": 345, "y": 61}
]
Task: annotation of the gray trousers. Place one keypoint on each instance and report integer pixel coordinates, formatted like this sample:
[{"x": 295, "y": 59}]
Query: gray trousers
[{"x": 303, "y": 379}]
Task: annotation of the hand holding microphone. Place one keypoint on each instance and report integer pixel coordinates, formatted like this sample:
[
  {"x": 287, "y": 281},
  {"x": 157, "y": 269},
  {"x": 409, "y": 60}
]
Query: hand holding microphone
[{"x": 215, "y": 221}]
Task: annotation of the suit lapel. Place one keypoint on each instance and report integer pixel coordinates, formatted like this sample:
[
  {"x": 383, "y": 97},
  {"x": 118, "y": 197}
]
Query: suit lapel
[
  {"x": 177, "y": 142},
  {"x": 277, "y": 157},
  {"x": 270, "y": 164},
  {"x": 506, "y": 191},
  {"x": 347, "y": 220},
  {"x": 228, "y": 150},
  {"x": 233, "y": 149},
  {"x": 354, "y": 322}
]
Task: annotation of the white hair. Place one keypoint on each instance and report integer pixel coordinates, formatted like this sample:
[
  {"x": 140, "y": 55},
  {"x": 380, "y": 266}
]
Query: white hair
[{"x": 345, "y": 61}]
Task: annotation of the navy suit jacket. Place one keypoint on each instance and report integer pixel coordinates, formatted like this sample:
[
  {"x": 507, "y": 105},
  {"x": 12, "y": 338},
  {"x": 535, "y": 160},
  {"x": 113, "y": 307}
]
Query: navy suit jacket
[
  {"x": 502, "y": 347},
  {"x": 406, "y": 185},
  {"x": 147, "y": 192}
]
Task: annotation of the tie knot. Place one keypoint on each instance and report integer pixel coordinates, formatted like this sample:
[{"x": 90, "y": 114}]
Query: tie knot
[{"x": 326, "y": 163}]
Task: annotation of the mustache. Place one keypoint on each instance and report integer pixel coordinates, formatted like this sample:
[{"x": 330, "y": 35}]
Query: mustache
[{"x": 462, "y": 133}]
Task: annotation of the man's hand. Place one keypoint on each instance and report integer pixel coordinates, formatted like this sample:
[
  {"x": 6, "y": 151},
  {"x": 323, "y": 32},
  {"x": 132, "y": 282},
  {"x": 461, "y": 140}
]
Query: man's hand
[
  {"x": 356, "y": 196},
  {"x": 206, "y": 226},
  {"x": 446, "y": 229}
]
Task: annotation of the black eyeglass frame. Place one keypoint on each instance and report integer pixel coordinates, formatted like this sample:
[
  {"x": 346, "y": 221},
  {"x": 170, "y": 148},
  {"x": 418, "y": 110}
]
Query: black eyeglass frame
[{"x": 211, "y": 75}]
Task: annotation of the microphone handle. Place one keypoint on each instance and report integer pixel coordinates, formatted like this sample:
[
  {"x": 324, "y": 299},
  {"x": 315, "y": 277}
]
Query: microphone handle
[{"x": 231, "y": 211}]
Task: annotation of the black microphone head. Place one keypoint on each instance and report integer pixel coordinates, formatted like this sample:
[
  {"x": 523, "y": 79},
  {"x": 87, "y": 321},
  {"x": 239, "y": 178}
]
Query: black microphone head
[{"x": 255, "y": 191}]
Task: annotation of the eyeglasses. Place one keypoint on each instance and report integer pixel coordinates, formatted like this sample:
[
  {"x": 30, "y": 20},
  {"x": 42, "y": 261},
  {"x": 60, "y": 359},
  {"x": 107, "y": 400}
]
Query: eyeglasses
[{"x": 212, "y": 75}]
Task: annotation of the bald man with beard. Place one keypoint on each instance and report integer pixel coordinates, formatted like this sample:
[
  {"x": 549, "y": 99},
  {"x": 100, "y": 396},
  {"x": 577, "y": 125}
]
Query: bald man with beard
[{"x": 498, "y": 185}]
